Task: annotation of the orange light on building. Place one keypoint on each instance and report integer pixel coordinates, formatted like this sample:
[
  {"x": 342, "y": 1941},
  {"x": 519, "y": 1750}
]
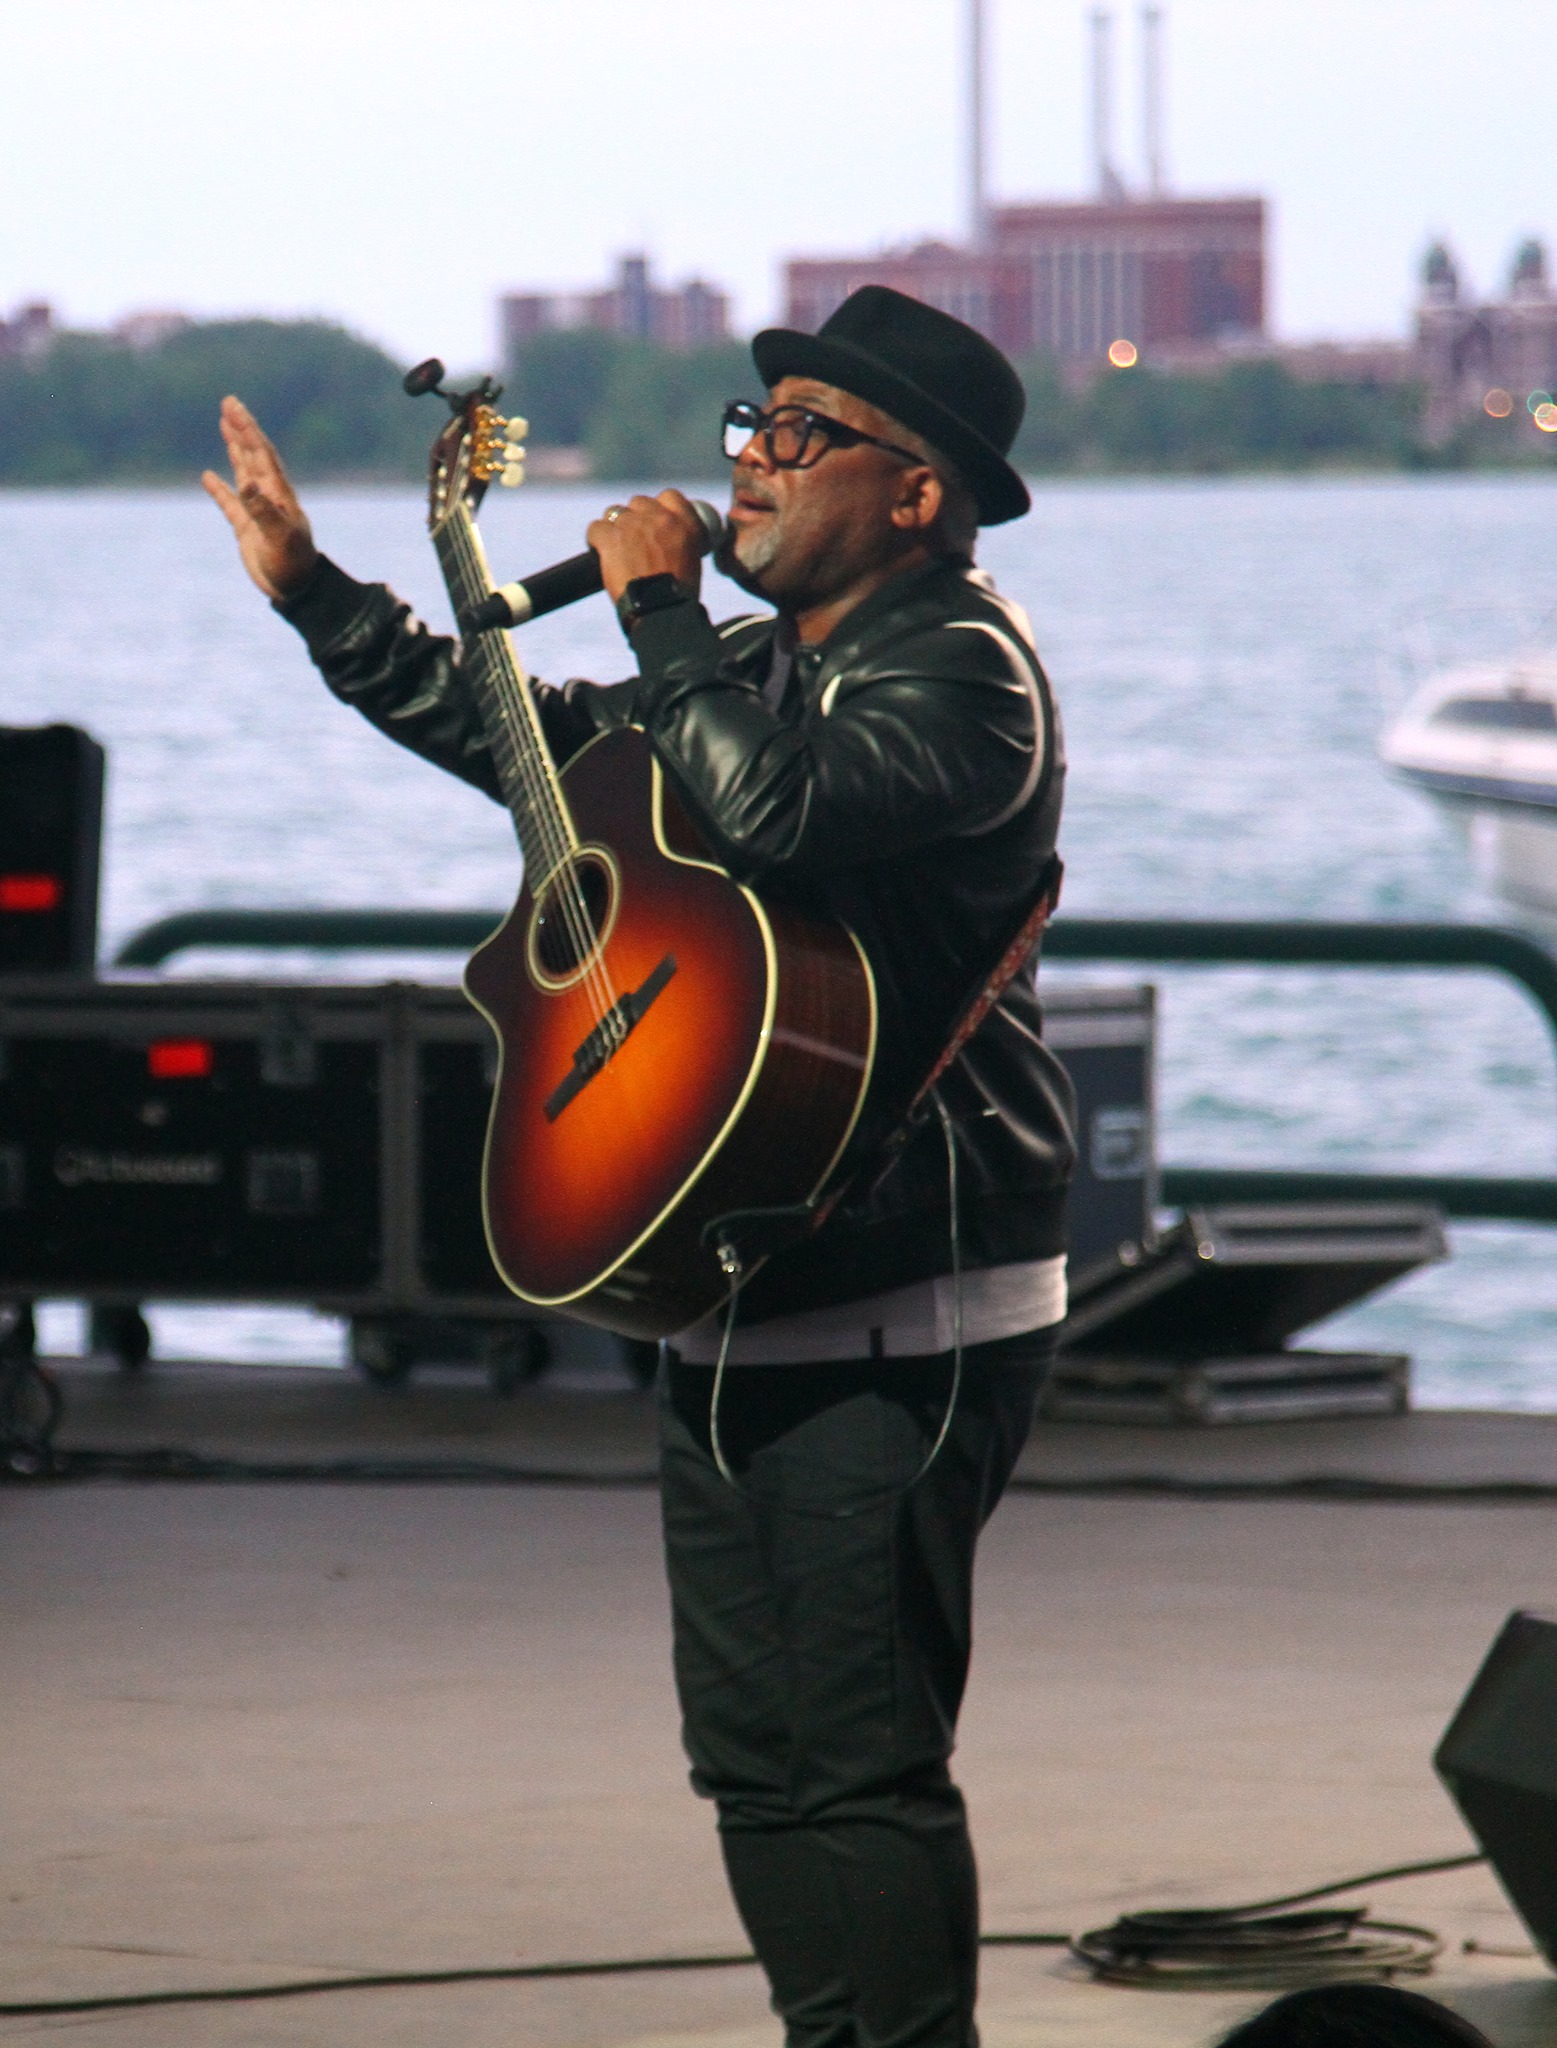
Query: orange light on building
[
  {"x": 1497, "y": 404},
  {"x": 1123, "y": 354},
  {"x": 1545, "y": 417}
]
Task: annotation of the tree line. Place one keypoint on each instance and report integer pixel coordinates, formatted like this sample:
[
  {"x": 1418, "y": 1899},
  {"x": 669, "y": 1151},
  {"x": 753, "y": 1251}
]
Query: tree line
[
  {"x": 642, "y": 412},
  {"x": 93, "y": 409}
]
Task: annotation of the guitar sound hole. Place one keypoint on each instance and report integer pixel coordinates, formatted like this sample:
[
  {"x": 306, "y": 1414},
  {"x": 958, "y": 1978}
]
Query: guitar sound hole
[{"x": 571, "y": 916}]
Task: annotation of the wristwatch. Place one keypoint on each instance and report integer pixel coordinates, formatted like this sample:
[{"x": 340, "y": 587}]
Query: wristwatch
[{"x": 645, "y": 594}]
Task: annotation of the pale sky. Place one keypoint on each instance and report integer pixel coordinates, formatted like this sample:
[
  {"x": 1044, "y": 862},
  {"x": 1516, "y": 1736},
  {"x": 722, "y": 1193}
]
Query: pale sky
[{"x": 395, "y": 166}]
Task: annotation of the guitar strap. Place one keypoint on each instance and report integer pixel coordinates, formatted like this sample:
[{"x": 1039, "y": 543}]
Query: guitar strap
[
  {"x": 742, "y": 1237},
  {"x": 1028, "y": 936}
]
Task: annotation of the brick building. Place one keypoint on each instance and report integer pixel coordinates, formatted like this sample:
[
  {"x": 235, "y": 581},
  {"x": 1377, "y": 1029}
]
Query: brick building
[
  {"x": 692, "y": 315},
  {"x": 1068, "y": 280},
  {"x": 1473, "y": 358}
]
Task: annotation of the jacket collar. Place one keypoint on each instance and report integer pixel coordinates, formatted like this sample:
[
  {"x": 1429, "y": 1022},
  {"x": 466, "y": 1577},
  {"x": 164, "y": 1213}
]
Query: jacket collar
[
  {"x": 837, "y": 650},
  {"x": 896, "y": 592}
]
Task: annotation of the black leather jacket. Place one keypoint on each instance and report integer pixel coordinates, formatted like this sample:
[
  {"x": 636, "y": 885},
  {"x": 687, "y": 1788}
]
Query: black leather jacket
[{"x": 909, "y": 783}]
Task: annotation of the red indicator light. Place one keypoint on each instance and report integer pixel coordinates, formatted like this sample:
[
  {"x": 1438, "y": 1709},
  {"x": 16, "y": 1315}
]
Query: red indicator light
[
  {"x": 31, "y": 892},
  {"x": 180, "y": 1059}
]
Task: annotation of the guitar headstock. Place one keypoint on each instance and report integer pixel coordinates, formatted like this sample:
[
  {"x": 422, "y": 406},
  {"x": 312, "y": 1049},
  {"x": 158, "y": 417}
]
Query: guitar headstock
[{"x": 477, "y": 447}]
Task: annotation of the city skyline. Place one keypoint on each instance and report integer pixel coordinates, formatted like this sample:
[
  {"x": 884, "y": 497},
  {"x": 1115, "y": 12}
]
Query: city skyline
[{"x": 339, "y": 159}]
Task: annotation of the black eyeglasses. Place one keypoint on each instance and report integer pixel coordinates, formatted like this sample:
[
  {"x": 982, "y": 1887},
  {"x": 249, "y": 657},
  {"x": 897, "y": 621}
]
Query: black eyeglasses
[{"x": 793, "y": 435}]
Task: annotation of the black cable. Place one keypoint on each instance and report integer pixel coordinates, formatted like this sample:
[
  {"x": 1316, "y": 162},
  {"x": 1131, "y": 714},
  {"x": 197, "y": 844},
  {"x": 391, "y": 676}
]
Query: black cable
[
  {"x": 1352, "y": 1884},
  {"x": 886, "y": 1494},
  {"x": 624, "y": 1966},
  {"x": 382, "y": 1980},
  {"x": 173, "y": 1463}
]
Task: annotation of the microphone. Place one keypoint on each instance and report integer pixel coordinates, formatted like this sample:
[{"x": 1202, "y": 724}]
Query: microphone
[{"x": 566, "y": 582}]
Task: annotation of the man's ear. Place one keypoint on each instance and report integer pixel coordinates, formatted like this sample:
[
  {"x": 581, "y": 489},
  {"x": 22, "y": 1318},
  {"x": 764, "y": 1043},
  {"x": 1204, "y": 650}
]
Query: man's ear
[{"x": 921, "y": 494}]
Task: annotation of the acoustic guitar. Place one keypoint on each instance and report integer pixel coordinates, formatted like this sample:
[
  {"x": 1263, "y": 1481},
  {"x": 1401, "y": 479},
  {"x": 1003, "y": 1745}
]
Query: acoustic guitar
[{"x": 672, "y": 1047}]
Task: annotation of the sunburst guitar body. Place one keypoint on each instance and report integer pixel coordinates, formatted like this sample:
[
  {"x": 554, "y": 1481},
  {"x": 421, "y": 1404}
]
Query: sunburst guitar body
[{"x": 672, "y": 1046}]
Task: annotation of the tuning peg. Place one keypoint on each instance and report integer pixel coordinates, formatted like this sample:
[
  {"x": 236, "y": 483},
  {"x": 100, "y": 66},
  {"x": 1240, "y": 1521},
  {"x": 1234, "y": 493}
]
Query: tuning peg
[
  {"x": 517, "y": 428},
  {"x": 424, "y": 378},
  {"x": 511, "y": 474}
]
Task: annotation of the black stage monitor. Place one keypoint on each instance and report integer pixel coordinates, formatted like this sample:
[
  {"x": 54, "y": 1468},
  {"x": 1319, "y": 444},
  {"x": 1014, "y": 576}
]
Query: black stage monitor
[
  {"x": 1242, "y": 1278},
  {"x": 1499, "y": 1760},
  {"x": 51, "y": 827}
]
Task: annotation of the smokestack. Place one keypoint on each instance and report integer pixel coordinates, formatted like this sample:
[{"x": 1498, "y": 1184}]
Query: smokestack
[
  {"x": 1151, "y": 98},
  {"x": 1109, "y": 185},
  {"x": 978, "y": 202}
]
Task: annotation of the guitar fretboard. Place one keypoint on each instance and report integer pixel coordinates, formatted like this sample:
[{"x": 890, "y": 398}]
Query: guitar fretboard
[{"x": 523, "y": 760}]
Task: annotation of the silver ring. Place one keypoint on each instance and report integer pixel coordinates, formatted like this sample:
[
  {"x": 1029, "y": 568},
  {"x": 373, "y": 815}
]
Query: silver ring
[{"x": 613, "y": 514}]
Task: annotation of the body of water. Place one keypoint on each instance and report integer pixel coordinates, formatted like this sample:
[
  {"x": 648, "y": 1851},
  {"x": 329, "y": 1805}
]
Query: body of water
[{"x": 1224, "y": 654}]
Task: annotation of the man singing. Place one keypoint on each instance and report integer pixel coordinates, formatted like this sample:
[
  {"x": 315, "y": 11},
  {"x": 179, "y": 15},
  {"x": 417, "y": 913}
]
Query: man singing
[{"x": 882, "y": 747}]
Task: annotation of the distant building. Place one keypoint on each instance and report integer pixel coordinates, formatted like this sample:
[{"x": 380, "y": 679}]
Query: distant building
[
  {"x": 1153, "y": 271},
  {"x": 1068, "y": 280},
  {"x": 692, "y": 315},
  {"x": 29, "y": 332},
  {"x": 149, "y": 329},
  {"x": 1475, "y": 358}
]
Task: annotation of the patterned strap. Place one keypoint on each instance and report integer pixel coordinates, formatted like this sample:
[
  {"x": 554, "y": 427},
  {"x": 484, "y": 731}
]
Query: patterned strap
[{"x": 1005, "y": 972}]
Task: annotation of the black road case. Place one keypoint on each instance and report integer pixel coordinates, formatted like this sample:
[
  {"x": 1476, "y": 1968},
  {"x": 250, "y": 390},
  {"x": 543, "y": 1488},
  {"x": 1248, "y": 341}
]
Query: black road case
[{"x": 296, "y": 1142}]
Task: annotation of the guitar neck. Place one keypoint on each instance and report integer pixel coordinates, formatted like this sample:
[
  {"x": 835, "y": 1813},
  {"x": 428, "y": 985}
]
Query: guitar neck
[{"x": 525, "y": 768}]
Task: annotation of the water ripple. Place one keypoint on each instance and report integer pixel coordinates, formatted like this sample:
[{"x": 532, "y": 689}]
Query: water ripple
[{"x": 1218, "y": 649}]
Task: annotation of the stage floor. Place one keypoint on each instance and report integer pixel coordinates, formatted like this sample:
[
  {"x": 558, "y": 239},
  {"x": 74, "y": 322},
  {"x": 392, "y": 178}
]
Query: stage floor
[
  {"x": 293, "y": 1419},
  {"x": 269, "y": 1730}
]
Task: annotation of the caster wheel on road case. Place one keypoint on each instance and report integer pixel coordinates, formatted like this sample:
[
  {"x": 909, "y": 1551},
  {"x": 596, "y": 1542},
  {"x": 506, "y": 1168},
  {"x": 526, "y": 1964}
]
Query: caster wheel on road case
[
  {"x": 30, "y": 1410},
  {"x": 382, "y": 1352},
  {"x": 122, "y": 1333},
  {"x": 515, "y": 1354},
  {"x": 642, "y": 1360},
  {"x": 18, "y": 1332}
]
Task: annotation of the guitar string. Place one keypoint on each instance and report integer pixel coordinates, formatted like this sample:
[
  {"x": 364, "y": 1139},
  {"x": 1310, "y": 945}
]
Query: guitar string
[
  {"x": 545, "y": 829},
  {"x": 542, "y": 802},
  {"x": 542, "y": 808},
  {"x": 544, "y": 805},
  {"x": 539, "y": 835},
  {"x": 546, "y": 811}
]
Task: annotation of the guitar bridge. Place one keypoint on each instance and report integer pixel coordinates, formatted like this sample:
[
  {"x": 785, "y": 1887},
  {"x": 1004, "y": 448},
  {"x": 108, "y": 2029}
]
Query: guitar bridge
[{"x": 608, "y": 1038}]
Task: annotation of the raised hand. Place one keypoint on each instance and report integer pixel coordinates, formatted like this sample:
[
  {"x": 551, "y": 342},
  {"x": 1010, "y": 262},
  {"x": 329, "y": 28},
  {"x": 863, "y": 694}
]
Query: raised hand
[{"x": 273, "y": 534}]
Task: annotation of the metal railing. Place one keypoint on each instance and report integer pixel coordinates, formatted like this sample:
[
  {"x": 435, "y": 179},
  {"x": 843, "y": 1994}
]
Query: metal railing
[
  {"x": 1140, "y": 940},
  {"x": 363, "y": 931},
  {"x": 1176, "y": 941}
]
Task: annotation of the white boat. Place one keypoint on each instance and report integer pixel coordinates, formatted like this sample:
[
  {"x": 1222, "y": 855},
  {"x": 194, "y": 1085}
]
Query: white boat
[{"x": 1481, "y": 741}]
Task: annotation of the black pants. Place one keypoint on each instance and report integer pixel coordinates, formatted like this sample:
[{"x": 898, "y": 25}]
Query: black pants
[{"x": 822, "y": 1634}]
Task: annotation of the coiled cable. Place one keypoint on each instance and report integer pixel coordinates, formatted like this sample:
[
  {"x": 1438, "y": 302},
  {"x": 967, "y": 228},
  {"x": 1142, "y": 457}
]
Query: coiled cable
[{"x": 1264, "y": 1945}]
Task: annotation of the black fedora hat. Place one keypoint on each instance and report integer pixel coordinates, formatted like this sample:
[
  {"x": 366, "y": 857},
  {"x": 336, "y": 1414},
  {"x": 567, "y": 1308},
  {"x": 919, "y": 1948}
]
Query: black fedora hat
[{"x": 932, "y": 373}]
